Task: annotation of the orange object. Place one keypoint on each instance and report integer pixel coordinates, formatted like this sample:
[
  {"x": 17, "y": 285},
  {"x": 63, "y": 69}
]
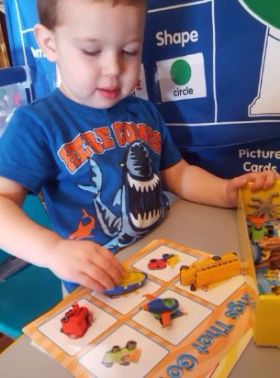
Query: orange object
[
  {"x": 257, "y": 221},
  {"x": 210, "y": 270}
]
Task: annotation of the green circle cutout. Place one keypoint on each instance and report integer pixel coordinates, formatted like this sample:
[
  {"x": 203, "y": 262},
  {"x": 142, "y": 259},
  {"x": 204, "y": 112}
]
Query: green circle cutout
[{"x": 180, "y": 72}]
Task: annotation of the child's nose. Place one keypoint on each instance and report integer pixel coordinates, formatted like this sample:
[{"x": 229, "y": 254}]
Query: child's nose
[{"x": 111, "y": 65}]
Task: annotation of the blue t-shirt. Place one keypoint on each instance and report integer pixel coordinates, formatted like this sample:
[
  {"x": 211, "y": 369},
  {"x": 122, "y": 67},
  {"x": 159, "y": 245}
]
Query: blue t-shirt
[{"x": 98, "y": 169}]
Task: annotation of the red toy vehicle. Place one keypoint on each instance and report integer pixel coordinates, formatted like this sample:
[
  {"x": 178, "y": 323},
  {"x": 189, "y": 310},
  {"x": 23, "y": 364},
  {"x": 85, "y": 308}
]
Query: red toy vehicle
[
  {"x": 76, "y": 321},
  {"x": 155, "y": 264}
]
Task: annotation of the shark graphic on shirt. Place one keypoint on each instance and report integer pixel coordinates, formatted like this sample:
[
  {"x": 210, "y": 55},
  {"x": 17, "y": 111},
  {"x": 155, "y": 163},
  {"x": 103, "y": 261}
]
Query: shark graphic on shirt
[{"x": 142, "y": 201}]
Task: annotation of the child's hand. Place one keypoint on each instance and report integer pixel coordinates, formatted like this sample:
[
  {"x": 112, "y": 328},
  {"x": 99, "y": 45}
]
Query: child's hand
[
  {"x": 86, "y": 263},
  {"x": 260, "y": 180}
]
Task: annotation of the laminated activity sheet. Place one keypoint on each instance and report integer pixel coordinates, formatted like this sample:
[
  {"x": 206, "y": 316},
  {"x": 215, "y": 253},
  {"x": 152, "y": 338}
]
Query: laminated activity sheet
[{"x": 161, "y": 329}]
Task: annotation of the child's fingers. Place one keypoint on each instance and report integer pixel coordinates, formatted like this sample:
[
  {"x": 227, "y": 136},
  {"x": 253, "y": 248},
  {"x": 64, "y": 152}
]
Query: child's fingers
[
  {"x": 112, "y": 260},
  {"x": 98, "y": 276},
  {"x": 263, "y": 181},
  {"x": 271, "y": 177},
  {"x": 238, "y": 182},
  {"x": 258, "y": 182},
  {"x": 91, "y": 283},
  {"x": 104, "y": 268}
]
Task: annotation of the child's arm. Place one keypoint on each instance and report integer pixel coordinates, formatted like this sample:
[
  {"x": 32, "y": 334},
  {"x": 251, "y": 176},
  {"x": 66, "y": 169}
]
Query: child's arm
[
  {"x": 83, "y": 262},
  {"x": 195, "y": 184}
]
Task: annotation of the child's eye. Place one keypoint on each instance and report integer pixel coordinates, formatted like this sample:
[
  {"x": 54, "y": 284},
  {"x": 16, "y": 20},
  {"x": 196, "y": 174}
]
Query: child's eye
[
  {"x": 91, "y": 53},
  {"x": 130, "y": 53}
]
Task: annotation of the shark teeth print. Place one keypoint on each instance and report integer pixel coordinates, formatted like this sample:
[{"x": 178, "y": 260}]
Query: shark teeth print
[
  {"x": 144, "y": 201},
  {"x": 146, "y": 219},
  {"x": 144, "y": 186}
]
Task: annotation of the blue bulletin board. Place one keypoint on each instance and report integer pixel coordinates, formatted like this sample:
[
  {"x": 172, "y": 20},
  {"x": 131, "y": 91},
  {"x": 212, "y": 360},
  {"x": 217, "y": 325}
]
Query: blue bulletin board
[{"x": 211, "y": 67}]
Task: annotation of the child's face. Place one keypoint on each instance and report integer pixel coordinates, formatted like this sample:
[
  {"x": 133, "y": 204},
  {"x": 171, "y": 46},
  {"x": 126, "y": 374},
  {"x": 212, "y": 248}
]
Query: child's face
[{"x": 98, "y": 51}]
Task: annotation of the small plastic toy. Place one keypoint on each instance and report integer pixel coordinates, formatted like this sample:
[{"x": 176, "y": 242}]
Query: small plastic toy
[
  {"x": 163, "y": 309},
  {"x": 76, "y": 321},
  {"x": 270, "y": 255},
  {"x": 131, "y": 281},
  {"x": 210, "y": 270},
  {"x": 166, "y": 260},
  {"x": 122, "y": 356},
  {"x": 157, "y": 264},
  {"x": 257, "y": 228},
  {"x": 270, "y": 243},
  {"x": 171, "y": 259}
]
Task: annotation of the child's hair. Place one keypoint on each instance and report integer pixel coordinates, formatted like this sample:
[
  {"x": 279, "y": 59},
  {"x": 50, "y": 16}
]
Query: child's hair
[{"x": 48, "y": 10}]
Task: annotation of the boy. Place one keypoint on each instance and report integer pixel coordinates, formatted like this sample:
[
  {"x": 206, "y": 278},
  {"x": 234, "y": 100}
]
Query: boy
[{"x": 99, "y": 155}]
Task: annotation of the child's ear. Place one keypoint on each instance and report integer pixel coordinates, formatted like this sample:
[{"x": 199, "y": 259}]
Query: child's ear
[{"x": 46, "y": 41}]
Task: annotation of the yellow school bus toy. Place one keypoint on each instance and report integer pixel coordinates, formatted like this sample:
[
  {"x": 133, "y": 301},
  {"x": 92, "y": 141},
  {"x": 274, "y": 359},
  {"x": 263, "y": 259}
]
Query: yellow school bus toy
[{"x": 210, "y": 270}]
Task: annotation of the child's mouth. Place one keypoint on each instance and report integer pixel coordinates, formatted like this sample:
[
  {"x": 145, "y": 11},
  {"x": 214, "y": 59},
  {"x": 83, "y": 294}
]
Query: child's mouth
[{"x": 109, "y": 93}]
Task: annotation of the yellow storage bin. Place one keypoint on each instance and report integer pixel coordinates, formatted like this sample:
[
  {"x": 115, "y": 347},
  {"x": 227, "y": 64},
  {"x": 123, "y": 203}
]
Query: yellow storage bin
[{"x": 259, "y": 231}]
